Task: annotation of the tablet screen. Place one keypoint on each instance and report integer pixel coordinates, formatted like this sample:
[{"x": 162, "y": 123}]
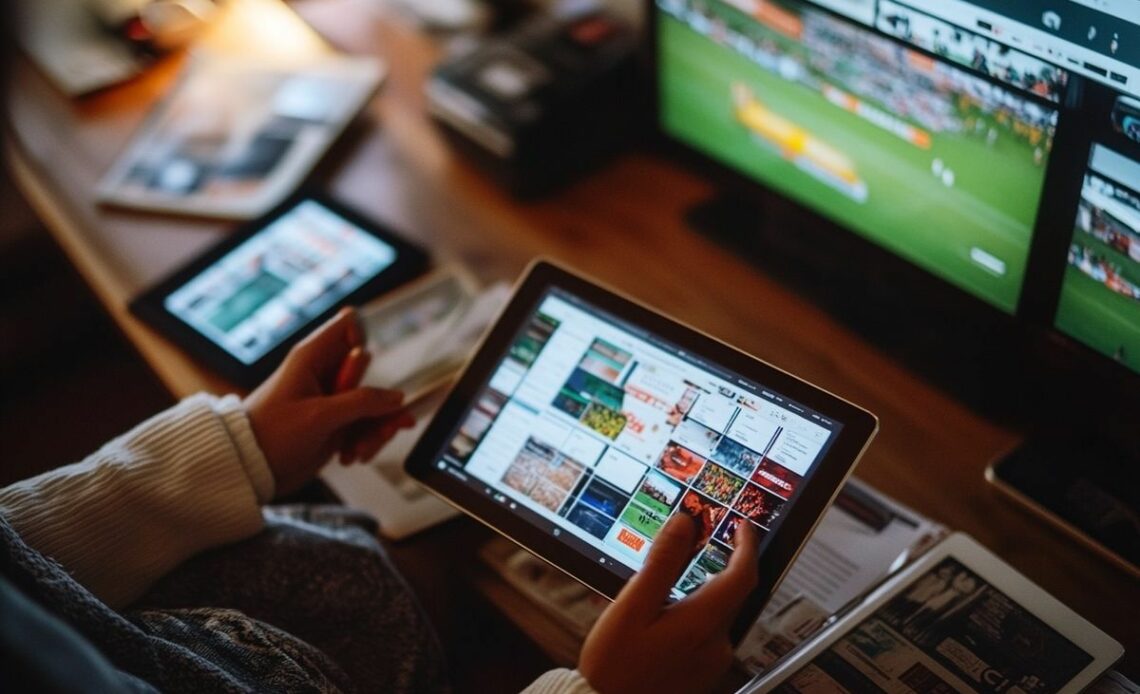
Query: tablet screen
[
  {"x": 280, "y": 279},
  {"x": 597, "y": 432}
]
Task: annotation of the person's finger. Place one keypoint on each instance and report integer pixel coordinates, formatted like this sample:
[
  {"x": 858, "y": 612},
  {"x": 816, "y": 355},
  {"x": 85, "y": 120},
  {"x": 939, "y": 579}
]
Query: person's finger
[
  {"x": 646, "y": 592},
  {"x": 339, "y": 410},
  {"x": 323, "y": 351},
  {"x": 352, "y": 369},
  {"x": 713, "y": 657},
  {"x": 714, "y": 605},
  {"x": 368, "y": 444}
]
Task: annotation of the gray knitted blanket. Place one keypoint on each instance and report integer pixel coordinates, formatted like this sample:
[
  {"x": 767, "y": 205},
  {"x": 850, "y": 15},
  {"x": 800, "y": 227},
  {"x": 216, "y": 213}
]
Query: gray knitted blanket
[{"x": 311, "y": 604}]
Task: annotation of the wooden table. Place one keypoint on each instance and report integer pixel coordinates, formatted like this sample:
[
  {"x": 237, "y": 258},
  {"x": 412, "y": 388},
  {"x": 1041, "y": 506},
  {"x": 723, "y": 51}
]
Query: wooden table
[{"x": 623, "y": 225}]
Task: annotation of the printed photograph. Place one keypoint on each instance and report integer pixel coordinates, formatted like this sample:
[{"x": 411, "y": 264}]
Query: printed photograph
[
  {"x": 707, "y": 512},
  {"x": 539, "y": 472},
  {"x": 680, "y": 463},
  {"x": 736, "y": 457},
  {"x": 718, "y": 483},
  {"x": 759, "y": 506},
  {"x": 776, "y": 478}
]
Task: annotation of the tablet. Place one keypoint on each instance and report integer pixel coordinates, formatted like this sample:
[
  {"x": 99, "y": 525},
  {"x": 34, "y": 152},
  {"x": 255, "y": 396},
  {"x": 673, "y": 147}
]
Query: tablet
[
  {"x": 585, "y": 420},
  {"x": 958, "y": 620},
  {"x": 240, "y": 306}
]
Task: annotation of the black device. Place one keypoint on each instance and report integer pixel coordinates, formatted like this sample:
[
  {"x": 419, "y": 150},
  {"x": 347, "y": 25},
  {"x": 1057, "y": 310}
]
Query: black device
[
  {"x": 241, "y": 305},
  {"x": 585, "y": 420},
  {"x": 542, "y": 103},
  {"x": 962, "y": 178},
  {"x": 1086, "y": 487}
]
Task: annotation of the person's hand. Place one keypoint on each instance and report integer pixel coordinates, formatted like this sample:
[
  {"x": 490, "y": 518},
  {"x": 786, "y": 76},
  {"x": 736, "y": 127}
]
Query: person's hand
[
  {"x": 641, "y": 644},
  {"x": 312, "y": 407}
]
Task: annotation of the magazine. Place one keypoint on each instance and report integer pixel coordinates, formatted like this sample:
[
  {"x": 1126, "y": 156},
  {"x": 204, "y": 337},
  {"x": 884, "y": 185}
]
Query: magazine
[
  {"x": 237, "y": 135},
  {"x": 958, "y": 620}
]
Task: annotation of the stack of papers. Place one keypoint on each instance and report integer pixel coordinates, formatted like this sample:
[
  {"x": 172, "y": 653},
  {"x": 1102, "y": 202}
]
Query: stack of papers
[{"x": 419, "y": 339}]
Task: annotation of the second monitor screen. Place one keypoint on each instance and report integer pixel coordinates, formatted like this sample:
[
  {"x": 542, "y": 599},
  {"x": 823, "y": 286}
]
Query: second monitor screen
[{"x": 925, "y": 158}]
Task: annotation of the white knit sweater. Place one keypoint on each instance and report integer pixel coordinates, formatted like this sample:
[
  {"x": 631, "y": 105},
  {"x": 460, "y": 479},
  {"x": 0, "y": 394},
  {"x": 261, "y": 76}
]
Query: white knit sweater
[{"x": 190, "y": 478}]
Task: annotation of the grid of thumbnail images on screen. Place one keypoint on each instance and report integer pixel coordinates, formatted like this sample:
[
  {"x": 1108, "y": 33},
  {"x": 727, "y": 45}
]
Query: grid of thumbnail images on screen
[{"x": 695, "y": 468}]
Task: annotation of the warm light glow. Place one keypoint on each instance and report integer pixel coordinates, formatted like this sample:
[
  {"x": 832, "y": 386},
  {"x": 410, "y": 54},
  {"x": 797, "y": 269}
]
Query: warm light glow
[{"x": 265, "y": 29}]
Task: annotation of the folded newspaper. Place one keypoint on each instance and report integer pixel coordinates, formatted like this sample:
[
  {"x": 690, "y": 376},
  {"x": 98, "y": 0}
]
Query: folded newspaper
[{"x": 419, "y": 339}]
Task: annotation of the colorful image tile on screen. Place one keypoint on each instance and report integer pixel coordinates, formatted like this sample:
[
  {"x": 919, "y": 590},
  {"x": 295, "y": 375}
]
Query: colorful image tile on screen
[
  {"x": 718, "y": 484},
  {"x": 696, "y": 437},
  {"x": 603, "y": 497},
  {"x": 712, "y": 560},
  {"x": 680, "y": 463},
  {"x": 542, "y": 474},
  {"x": 759, "y": 506},
  {"x": 590, "y": 520},
  {"x": 776, "y": 478},
  {"x": 736, "y": 457},
  {"x": 707, "y": 512}
]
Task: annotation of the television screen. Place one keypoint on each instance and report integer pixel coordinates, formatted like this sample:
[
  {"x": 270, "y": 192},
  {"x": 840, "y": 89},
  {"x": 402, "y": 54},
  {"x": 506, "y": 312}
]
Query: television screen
[
  {"x": 927, "y": 139},
  {"x": 1100, "y": 292}
]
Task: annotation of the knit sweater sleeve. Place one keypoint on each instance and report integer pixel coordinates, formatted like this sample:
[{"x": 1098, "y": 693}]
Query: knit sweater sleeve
[
  {"x": 190, "y": 478},
  {"x": 560, "y": 681}
]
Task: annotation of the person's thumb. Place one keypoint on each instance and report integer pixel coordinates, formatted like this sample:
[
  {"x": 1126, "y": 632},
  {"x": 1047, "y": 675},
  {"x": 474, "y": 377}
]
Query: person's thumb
[{"x": 342, "y": 409}]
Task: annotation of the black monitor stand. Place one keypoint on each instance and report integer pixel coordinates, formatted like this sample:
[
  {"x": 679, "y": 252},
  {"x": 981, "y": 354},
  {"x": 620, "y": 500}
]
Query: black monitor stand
[{"x": 898, "y": 307}]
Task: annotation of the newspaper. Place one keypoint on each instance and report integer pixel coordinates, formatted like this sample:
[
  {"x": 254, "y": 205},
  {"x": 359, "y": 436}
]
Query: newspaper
[
  {"x": 863, "y": 538},
  {"x": 419, "y": 339},
  {"x": 236, "y": 135}
]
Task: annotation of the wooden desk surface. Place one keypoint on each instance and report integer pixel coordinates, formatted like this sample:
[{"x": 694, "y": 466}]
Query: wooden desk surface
[{"x": 623, "y": 225}]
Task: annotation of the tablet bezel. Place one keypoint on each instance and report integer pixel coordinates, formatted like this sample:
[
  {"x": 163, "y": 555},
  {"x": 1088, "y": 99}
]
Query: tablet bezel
[
  {"x": 1105, "y": 651},
  {"x": 411, "y": 261},
  {"x": 813, "y": 497}
]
